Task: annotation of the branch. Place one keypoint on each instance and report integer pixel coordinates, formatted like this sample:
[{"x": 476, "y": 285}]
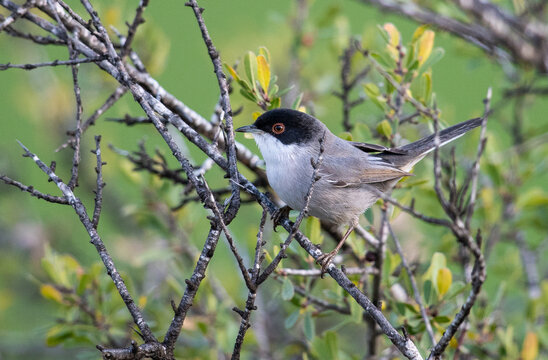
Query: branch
[
  {"x": 234, "y": 206},
  {"x": 33, "y": 192},
  {"x": 416, "y": 291},
  {"x": 252, "y": 295},
  {"x": 95, "y": 239},
  {"x": 22, "y": 10},
  {"x": 52, "y": 63},
  {"x": 100, "y": 183}
]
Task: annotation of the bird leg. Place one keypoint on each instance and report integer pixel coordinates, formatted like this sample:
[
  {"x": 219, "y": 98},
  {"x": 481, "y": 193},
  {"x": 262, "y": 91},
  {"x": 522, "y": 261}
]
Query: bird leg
[
  {"x": 279, "y": 215},
  {"x": 325, "y": 259}
]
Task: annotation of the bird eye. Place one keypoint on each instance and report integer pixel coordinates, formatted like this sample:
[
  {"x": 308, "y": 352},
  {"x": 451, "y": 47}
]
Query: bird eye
[{"x": 278, "y": 128}]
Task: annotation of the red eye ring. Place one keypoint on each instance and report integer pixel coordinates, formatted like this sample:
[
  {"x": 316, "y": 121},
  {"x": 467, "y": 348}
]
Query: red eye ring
[{"x": 278, "y": 128}]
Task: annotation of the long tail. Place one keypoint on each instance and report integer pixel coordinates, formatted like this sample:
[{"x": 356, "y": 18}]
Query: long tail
[{"x": 414, "y": 152}]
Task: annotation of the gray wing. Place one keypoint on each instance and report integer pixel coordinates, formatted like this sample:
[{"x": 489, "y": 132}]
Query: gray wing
[
  {"x": 374, "y": 148},
  {"x": 353, "y": 171}
]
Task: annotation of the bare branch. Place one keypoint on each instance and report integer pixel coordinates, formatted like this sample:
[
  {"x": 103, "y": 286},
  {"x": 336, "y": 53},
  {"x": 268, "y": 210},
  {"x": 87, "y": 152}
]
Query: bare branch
[
  {"x": 234, "y": 206},
  {"x": 33, "y": 192},
  {"x": 51, "y": 63},
  {"x": 22, "y": 10},
  {"x": 100, "y": 183},
  {"x": 80, "y": 210},
  {"x": 137, "y": 20},
  {"x": 416, "y": 291}
]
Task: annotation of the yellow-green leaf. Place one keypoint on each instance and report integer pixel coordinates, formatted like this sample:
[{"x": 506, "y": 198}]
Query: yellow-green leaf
[
  {"x": 529, "y": 350},
  {"x": 418, "y": 33},
  {"x": 393, "y": 33},
  {"x": 263, "y": 71},
  {"x": 232, "y": 72},
  {"x": 426, "y": 44},
  {"x": 444, "y": 280},
  {"x": 142, "y": 301},
  {"x": 395, "y": 39},
  {"x": 384, "y": 128},
  {"x": 51, "y": 293},
  {"x": 438, "y": 261}
]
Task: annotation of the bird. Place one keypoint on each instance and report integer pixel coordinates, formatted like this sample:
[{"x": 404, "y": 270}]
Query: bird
[{"x": 350, "y": 175}]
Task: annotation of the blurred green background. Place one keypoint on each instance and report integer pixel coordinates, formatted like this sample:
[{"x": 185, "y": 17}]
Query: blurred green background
[{"x": 38, "y": 108}]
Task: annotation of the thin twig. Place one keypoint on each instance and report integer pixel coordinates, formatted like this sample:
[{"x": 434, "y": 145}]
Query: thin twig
[
  {"x": 52, "y": 63},
  {"x": 252, "y": 295},
  {"x": 317, "y": 272},
  {"x": 234, "y": 204},
  {"x": 80, "y": 210},
  {"x": 22, "y": 10},
  {"x": 132, "y": 29},
  {"x": 376, "y": 285},
  {"x": 100, "y": 183},
  {"x": 33, "y": 192},
  {"x": 414, "y": 286}
]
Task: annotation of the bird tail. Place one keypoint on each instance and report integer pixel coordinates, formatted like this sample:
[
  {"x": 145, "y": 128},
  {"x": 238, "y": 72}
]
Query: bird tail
[{"x": 414, "y": 152}]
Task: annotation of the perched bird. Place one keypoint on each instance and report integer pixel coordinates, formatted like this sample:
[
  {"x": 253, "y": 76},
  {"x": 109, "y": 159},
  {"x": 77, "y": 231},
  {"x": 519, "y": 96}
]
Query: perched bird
[{"x": 349, "y": 172}]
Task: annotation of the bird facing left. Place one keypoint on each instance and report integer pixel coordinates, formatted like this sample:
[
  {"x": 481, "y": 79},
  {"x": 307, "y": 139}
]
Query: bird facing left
[{"x": 351, "y": 174}]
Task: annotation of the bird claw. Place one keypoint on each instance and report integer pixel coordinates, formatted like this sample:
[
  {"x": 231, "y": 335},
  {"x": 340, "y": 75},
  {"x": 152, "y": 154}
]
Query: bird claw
[
  {"x": 279, "y": 215},
  {"x": 325, "y": 260}
]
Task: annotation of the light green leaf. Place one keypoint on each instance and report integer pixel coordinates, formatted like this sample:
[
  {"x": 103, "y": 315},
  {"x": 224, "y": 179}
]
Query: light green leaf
[
  {"x": 250, "y": 65},
  {"x": 309, "y": 327},
  {"x": 264, "y": 52},
  {"x": 385, "y": 129},
  {"x": 292, "y": 319},
  {"x": 287, "y": 289}
]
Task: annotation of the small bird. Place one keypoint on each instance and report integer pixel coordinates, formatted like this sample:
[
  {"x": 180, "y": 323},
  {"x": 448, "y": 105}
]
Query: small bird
[{"x": 349, "y": 172}]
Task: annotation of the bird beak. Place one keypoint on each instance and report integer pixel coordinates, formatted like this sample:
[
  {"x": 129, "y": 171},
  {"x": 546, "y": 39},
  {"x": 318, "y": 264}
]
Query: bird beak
[{"x": 249, "y": 129}]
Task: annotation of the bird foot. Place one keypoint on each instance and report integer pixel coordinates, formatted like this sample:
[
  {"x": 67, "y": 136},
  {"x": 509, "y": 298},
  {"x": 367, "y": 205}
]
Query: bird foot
[
  {"x": 325, "y": 259},
  {"x": 279, "y": 215}
]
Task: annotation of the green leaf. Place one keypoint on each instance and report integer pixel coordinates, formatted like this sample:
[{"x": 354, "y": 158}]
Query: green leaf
[
  {"x": 373, "y": 93},
  {"x": 264, "y": 52},
  {"x": 250, "y": 65},
  {"x": 437, "y": 55},
  {"x": 369, "y": 215},
  {"x": 297, "y": 102},
  {"x": 458, "y": 287},
  {"x": 314, "y": 229},
  {"x": 292, "y": 319},
  {"x": 331, "y": 342},
  {"x": 438, "y": 261},
  {"x": 273, "y": 91},
  {"x": 427, "y": 289},
  {"x": 287, "y": 289},
  {"x": 58, "y": 334},
  {"x": 247, "y": 95},
  {"x": 442, "y": 319},
  {"x": 49, "y": 292},
  {"x": 309, "y": 327},
  {"x": 532, "y": 198},
  {"x": 385, "y": 129},
  {"x": 275, "y": 103}
]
